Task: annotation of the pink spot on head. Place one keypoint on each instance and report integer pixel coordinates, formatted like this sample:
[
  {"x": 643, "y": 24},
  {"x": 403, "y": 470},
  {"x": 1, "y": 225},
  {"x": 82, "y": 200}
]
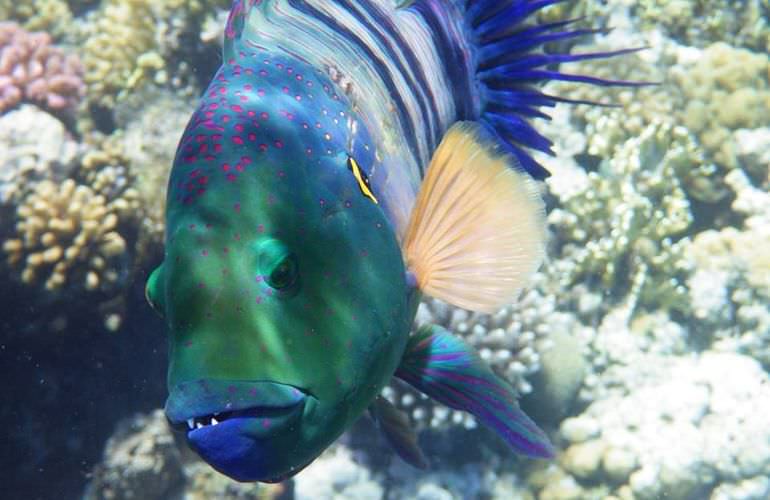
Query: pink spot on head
[
  {"x": 223, "y": 90},
  {"x": 238, "y": 127},
  {"x": 258, "y": 300},
  {"x": 239, "y": 167},
  {"x": 309, "y": 151},
  {"x": 237, "y": 140},
  {"x": 258, "y": 278},
  {"x": 237, "y": 108},
  {"x": 225, "y": 167},
  {"x": 248, "y": 87},
  {"x": 213, "y": 106},
  {"x": 322, "y": 202},
  {"x": 281, "y": 174},
  {"x": 298, "y": 97},
  {"x": 298, "y": 77},
  {"x": 278, "y": 144},
  {"x": 205, "y": 253},
  {"x": 203, "y": 180},
  {"x": 200, "y": 137},
  {"x": 209, "y": 158},
  {"x": 203, "y": 148},
  {"x": 261, "y": 228},
  {"x": 264, "y": 115},
  {"x": 285, "y": 90},
  {"x": 263, "y": 72},
  {"x": 225, "y": 250},
  {"x": 225, "y": 118},
  {"x": 261, "y": 92},
  {"x": 252, "y": 136},
  {"x": 245, "y": 160},
  {"x": 244, "y": 98},
  {"x": 263, "y": 147},
  {"x": 265, "y": 423},
  {"x": 217, "y": 148},
  {"x": 237, "y": 207},
  {"x": 231, "y": 177}
]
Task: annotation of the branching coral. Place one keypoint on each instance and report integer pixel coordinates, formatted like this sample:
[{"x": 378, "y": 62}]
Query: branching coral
[
  {"x": 620, "y": 231},
  {"x": 31, "y": 69},
  {"x": 700, "y": 22},
  {"x": 67, "y": 239}
]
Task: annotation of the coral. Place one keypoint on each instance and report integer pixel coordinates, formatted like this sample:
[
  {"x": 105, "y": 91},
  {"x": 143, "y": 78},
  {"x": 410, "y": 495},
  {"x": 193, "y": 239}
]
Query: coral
[
  {"x": 336, "y": 474},
  {"x": 67, "y": 238},
  {"x": 35, "y": 146},
  {"x": 619, "y": 230},
  {"x": 141, "y": 460},
  {"x": 32, "y": 69},
  {"x": 132, "y": 42},
  {"x": 700, "y": 22},
  {"x": 711, "y": 406}
]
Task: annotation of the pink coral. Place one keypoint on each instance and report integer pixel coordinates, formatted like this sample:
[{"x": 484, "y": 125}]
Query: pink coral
[{"x": 34, "y": 70}]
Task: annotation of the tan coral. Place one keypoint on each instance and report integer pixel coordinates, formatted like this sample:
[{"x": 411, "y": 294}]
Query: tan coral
[{"x": 66, "y": 234}]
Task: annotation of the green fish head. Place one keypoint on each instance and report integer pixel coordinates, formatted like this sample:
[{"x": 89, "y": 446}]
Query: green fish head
[{"x": 283, "y": 287}]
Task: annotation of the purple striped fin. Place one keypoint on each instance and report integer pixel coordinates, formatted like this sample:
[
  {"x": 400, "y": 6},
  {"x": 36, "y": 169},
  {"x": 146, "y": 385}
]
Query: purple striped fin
[{"x": 446, "y": 369}]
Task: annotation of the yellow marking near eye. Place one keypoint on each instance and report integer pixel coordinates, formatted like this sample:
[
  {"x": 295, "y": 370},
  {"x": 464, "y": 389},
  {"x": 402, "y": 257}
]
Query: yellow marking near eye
[{"x": 363, "y": 182}]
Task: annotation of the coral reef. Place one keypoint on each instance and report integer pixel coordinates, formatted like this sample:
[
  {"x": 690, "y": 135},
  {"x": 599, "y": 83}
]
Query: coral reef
[
  {"x": 708, "y": 405},
  {"x": 32, "y": 69},
  {"x": 36, "y": 146}
]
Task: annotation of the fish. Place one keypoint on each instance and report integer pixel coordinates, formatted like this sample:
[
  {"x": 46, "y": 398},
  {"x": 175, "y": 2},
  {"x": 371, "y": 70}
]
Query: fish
[{"x": 348, "y": 158}]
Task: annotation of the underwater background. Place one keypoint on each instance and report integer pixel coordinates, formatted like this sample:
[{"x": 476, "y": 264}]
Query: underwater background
[{"x": 643, "y": 347}]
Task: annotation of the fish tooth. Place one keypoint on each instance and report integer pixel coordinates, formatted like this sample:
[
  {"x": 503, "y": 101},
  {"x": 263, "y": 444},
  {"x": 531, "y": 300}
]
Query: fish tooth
[
  {"x": 198, "y": 425},
  {"x": 214, "y": 421},
  {"x": 190, "y": 423}
]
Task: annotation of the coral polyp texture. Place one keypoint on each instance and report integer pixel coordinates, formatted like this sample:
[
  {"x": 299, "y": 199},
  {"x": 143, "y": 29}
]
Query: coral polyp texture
[
  {"x": 66, "y": 235},
  {"x": 32, "y": 69}
]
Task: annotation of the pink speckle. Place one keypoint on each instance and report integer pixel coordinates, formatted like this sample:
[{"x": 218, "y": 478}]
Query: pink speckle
[
  {"x": 285, "y": 90},
  {"x": 261, "y": 228},
  {"x": 244, "y": 98},
  {"x": 216, "y": 137},
  {"x": 217, "y": 148},
  {"x": 248, "y": 87},
  {"x": 298, "y": 77},
  {"x": 251, "y": 113},
  {"x": 245, "y": 160},
  {"x": 263, "y": 72},
  {"x": 278, "y": 144},
  {"x": 225, "y": 118},
  {"x": 261, "y": 92},
  {"x": 223, "y": 90},
  {"x": 309, "y": 151},
  {"x": 263, "y": 147},
  {"x": 225, "y": 167},
  {"x": 213, "y": 106},
  {"x": 264, "y": 115},
  {"x": 205, "y": 253},
  {"x": 265, "y": 423},
  {"x": 237, "y": 140},
  {"x": 252, "y": 136},
  {"x": 238, "y": 127},
  {"x": 203, "y": 180},
  {"x": 237, "y": 207},
  {"x": 203, "y": 148},
  {"x": 298, "y": 97},
  {"x": 237, "y": 236},
  {"x": 231, "y": 177},
  {"x": 239, "y": 167},
  {"x": 322, "y": 202},
  {"x": 237, "y": 108},
  {"x": 200, "y": 138},
  {"x": 258, "y": 300}
]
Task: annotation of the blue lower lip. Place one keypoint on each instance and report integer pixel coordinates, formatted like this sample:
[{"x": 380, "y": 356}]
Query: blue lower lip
[{"x": 257, "y": 422}]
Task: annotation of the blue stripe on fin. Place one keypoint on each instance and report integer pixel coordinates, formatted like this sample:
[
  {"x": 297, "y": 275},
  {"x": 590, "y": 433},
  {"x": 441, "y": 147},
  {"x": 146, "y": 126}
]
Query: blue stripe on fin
[
  {"x": 446, "y": 369},
  {"x": 509, "y": 70}
]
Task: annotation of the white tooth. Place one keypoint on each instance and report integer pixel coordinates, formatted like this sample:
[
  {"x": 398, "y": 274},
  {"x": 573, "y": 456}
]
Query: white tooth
[
  {"x": 190, "y": 423},
  {"x": 214, "y": 421},
  {"x": 198, "y": 425}
]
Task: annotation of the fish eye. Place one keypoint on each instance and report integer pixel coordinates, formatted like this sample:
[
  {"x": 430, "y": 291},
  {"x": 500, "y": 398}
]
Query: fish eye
[
  {"x": 278, "y": 265},
  {"x": 284, "y": 274}
]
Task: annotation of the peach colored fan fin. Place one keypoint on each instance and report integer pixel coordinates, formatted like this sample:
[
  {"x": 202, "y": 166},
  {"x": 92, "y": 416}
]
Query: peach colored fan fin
[{"x": 477, "y": 231}]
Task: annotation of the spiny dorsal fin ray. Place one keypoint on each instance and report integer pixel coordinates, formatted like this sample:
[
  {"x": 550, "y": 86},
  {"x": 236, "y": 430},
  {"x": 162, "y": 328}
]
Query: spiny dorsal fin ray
[{"x": 477, "y": 230}]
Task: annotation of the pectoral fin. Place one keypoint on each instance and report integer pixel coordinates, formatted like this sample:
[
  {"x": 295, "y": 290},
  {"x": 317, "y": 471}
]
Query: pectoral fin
[
  {"x": 395, "y": 426},
  {"x": 446, "y": 369}
]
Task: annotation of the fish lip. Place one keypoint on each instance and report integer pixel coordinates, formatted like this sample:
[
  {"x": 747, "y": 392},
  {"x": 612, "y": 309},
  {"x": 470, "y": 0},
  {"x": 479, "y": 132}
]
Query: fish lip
[{"x": 203, "y": 398}]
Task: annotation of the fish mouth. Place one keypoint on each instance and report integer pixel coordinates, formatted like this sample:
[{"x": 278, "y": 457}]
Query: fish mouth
[{"x": 260, "y": 407}]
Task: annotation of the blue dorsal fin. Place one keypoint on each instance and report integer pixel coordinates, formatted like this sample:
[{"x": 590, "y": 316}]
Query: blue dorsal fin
[
  {"x": 500, "y": 48},
  {"x": 446, "y": 369}
]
